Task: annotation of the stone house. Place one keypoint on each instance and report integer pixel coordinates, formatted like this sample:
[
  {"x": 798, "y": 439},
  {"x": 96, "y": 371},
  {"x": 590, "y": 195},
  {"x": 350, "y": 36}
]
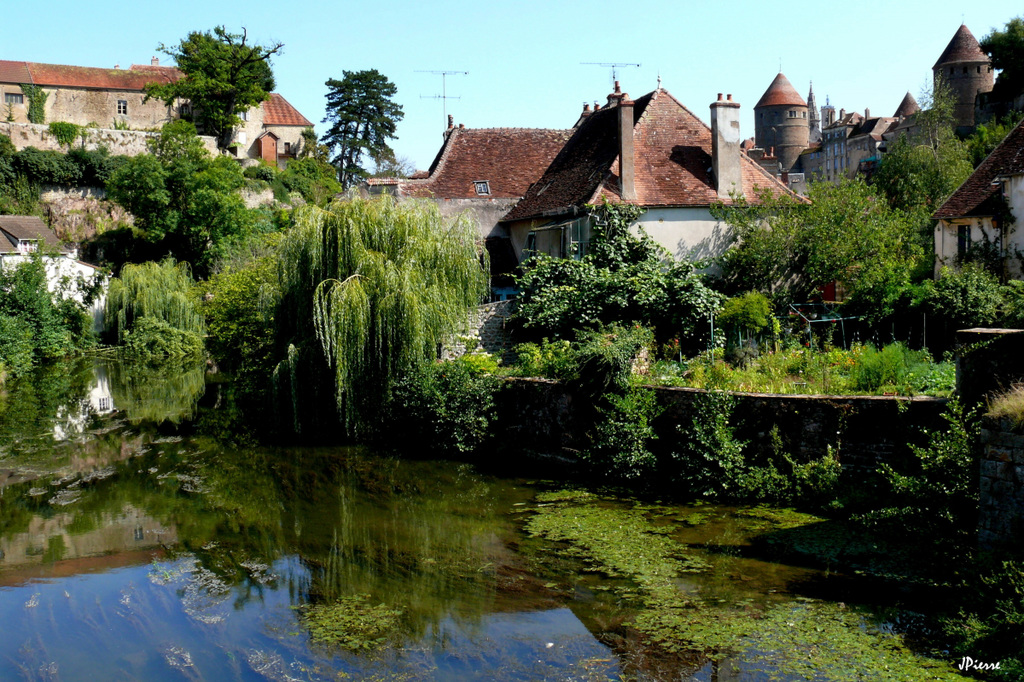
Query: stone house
[
  {"x": 115, "y": 98},
  {"x": 653, "y": 152},
  {"x": 983, "y": 216},
  {"x": 21, "y": 236},
  {"x": 485, "y": 172}
]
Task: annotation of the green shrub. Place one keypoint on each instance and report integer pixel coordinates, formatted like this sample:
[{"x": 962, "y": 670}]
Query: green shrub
[
  {"x": 47, "y": 167},
  {"x": 968, "y": 297},
  {"x": 620, "y": 443},
  {"x": 550, "y": 359},
  {"x": 606, "y": 358},
  {"x": 708, "y": 457},
  {"x": 151, "y": 337},
  {"x": 261, "y": 171},
  {"x": 442, "y": 408},
  {"x": 16, "y": 346},
  {"x": 875, "y": 369},
  {"x": 480, "y": 363},
  {"x": 65, "y": 133}
]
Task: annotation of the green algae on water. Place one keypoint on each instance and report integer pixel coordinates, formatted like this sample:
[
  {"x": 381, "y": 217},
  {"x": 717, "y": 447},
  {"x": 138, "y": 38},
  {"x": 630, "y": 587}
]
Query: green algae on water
[
  {"x": 350, "y": 623},
  {"x": 805, "y": 638}
]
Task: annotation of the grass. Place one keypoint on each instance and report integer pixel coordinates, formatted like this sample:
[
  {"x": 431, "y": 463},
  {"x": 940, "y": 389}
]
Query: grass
[{"x": 1009, "y": 406}]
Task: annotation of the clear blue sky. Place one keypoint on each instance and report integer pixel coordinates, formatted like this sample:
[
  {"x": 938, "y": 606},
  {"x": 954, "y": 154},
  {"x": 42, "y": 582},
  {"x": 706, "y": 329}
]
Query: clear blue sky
[{"x": 524, "y": 58}]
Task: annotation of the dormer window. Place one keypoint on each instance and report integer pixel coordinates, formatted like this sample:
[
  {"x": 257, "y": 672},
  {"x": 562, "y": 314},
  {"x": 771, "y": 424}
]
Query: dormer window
[
  {"x": 27, "y": 246},
  {"x": 483, "y": 187}
]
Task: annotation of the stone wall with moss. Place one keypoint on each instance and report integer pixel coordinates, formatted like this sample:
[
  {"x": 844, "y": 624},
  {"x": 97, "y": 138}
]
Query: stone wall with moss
[
  {"x": 118, "y": 142},
  {"x": 547, "y": 417}
]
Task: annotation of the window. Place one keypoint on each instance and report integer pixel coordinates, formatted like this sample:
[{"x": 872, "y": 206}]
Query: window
[
  {"x": 482, "y": 186},
  {"x": 122, "y": 107},
  {"x": 963, "y": 239},
  {"x": 185, "y": 111},
  {"x": 27, "y": 246},
  {"x": 244, "y": 115},
  {"x": 14, "y": 98},
  {"x": 287, "y": 147}
]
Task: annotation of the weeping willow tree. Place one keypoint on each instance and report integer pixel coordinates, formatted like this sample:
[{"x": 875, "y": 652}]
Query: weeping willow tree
[
  {"x": 375, "y": 287},
  {"x": 162, "y": 291}
]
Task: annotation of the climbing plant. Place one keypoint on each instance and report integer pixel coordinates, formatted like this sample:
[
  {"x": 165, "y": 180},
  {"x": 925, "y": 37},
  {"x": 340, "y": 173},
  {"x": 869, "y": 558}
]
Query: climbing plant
[
  {"x": 65, "y": 133},
  {"x": 376, "y": 287},
  {"x": 36, "y": 97}
]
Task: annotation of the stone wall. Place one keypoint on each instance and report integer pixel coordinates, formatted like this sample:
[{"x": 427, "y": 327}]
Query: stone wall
[
  {"x": 119, "y": 142},
  {"x": 547, "y": 417},
  {"x": 1001, "y": 486},
  {"x": 485, "y": 331}
]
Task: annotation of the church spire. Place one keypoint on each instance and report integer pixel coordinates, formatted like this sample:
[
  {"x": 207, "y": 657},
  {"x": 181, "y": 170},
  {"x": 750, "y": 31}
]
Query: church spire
[{"x": 814, "y": 118}]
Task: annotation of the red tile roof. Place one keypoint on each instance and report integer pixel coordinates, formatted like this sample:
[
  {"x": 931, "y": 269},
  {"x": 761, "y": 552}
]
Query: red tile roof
[
  {"x": 780, "y": 93},
  {"x": 14, "y": 72},
  {"x": 978, "y": 195},
  {"x": 672, "y": 167},
  {"x": 57, "y": 75},
  {"x": 962, "y": 48},
  {"x": 278, "y": 112},
  {"x": 14, "y": 228},
  {"x": 509, "y": 159}
]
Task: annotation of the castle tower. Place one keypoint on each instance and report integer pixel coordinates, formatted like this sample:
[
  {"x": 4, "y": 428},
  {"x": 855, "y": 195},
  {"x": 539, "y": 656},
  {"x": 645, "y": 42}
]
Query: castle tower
[
  {"x": 828, "y": 114},
  {"x": 780, "y": 122},
  {"x": 907, "y": 108},
  {"x": 967, "y": 71},
  {"x": 814, "y": 118}
]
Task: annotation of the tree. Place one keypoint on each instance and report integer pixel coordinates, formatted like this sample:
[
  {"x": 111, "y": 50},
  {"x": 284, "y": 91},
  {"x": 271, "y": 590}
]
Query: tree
[
  {"x": 224, "y": 75},
  {"x": 363, "y": 118},
  {"x": 1006, "y": 48},
  {"x": 370, "y": 289},
  {"x": 847, "y": 233}
]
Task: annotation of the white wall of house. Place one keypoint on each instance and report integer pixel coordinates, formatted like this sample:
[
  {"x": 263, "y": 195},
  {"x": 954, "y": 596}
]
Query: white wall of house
[
  {"x": 72, "y": 277},
  {"x": 689, "y": 233},
  {"x": 981, "y": 229}
]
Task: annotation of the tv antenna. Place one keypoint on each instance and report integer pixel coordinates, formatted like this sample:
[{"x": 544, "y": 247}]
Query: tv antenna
[
  {"x": 444, "y": 89},
  {"x": 614, "y": 66}
]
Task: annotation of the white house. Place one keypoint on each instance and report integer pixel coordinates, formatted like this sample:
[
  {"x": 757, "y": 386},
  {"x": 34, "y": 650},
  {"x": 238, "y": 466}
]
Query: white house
[
  {"x": 985, "y": 213},
  {"x": 21, "y": 236}
]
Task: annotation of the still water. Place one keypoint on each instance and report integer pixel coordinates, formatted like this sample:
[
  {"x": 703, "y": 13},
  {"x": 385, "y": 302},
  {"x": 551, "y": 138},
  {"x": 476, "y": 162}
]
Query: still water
[{"x": 132, "y": 547}]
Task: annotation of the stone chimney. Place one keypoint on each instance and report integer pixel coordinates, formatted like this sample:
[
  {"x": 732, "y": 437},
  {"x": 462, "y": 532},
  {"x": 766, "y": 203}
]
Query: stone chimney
[
  {"x": 451, "y": 121},
  {"x": 725, "y": 147},
  {"x": 627, "y": 184},
  {"x": 154, "y": 61},
  {"x": 867, "y": 113}
]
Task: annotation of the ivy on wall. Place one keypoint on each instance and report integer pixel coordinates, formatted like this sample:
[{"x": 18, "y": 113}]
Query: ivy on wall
[{"x": 36, "y": 103}]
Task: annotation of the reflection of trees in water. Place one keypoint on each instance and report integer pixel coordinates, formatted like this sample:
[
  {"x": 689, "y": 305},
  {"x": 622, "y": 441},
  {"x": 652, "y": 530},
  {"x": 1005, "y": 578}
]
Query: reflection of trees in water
[
  {"x": 29, "y": 407},
  {"x": 163, "y": 392}
]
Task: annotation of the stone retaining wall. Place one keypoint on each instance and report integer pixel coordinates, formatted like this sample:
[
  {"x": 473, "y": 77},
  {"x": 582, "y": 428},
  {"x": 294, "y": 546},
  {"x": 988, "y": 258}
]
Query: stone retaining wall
[
  {"x": 485, "y": 331},
  {"x": 123, "y": 142},
  {"x": 547, "y": 417},
  {"x": 1001, "y": 487}
]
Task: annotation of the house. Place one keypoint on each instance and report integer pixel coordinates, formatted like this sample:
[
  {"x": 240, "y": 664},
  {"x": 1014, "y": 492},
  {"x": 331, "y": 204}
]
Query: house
[
  {"x": 21, "y": 236},
  {"x": 653, "y": 152},
  {"x": 983, "y": 216},
  {"x": 116, "y": 98},
  {"x": 483, "y": 172}
]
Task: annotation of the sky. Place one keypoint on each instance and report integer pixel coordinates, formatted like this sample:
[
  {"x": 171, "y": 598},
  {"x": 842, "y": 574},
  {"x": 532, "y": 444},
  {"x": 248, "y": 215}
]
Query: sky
[{"x": 528, "y": 64}]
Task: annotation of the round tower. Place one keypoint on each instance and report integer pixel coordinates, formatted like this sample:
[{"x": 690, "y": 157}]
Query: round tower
[
  {"x": 967, "y": 71},
  {"x": 780, "y": 122}
]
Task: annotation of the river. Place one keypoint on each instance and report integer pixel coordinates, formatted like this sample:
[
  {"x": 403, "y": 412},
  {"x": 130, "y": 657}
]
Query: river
[{"x": 137, "y": 543}]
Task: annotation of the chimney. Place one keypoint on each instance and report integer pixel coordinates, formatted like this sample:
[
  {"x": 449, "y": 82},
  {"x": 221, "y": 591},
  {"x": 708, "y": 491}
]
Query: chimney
[
  {"x": 867, "y": 113},
  {"x": 725, "y": 147},
  {"x": 842, "y": 114},
  {"x": 627, "y": 185},
  {"x": 451, "y": 121},
  {"x": 154, "y": 61}
]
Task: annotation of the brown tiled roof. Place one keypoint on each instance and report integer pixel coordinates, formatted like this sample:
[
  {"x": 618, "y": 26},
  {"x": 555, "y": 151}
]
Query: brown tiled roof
[
  {"x": 58, "y": 75},
  {"x": 23, "y": 227},
  {"x": 509, "y": 159},
  {"x": 278, "y": 112},
  {"x": 907, "y": 107},
  {"x": 780, "y": 93},
  {"x": 672, "y": 163},
  {"x": 962, "y": 48},
  {"x": 977, "y": 195},
  {"x": 14, "y": 72}
]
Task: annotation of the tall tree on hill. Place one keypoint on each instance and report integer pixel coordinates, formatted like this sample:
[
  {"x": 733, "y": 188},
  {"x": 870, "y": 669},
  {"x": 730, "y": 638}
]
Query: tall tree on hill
[
  {"x": 1006, "y": 48},
  {"x": 363, "y": 118},
  {"x": 224, "y": 75}
]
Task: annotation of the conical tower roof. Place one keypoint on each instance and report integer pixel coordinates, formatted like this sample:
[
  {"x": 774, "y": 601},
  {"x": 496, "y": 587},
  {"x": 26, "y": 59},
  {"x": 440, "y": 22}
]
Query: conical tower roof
[
  {"x": 907, "y": 107},
  {"x": 780, "y": 93},
  {"x": 963, "y": 47}
]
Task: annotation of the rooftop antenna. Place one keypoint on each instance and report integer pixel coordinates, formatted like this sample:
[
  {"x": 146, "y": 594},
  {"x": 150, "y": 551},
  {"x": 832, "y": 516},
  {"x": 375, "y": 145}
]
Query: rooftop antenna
[
  {"x": 614, "y": 66},
  {"x": 659, "y": 80},
  {"x": 444, "y": 89}
]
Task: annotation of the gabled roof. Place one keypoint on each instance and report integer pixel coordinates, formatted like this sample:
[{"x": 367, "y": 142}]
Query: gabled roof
[
  {"x": 15, "y": 228},
  {"x": 962, "y": 48},
  {"x": 672, "y": 163},
  {"x": 874, "y": 126},
  {"x": 978, "y": 195},
  {"x": 59, "y": 75},
  {"x": 908, "y": 107},
  {"x": 780, "y": 93},
  {"x": 509, "y": 159},
  {"x": 277, "y": 111}
]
